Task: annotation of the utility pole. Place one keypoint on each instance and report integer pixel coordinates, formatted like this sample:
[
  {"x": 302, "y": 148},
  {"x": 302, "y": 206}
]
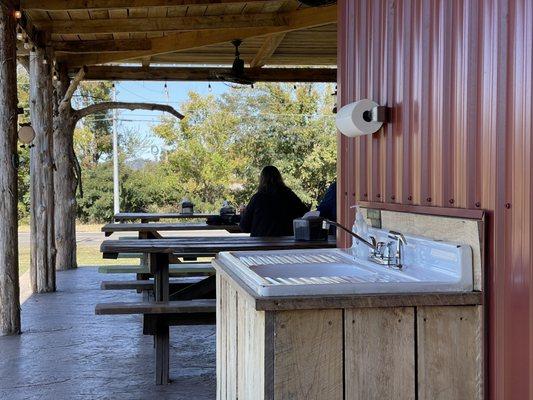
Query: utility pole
[{"x": 116, "y": 188}]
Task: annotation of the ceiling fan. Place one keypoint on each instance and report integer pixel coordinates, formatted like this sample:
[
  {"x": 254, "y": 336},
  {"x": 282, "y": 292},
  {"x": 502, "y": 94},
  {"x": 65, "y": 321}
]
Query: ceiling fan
[{"x": 237, "y": 73}]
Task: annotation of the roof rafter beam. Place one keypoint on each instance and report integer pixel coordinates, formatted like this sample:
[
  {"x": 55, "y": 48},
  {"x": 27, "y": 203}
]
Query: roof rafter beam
[
  {"x": 140, "y": 25},
  {"x": 67, "y": 5},
  {"x": 268, "y": 48},
  {"x": 102, "y": 46},
  {"x": 293, "y": 20},
  {"x": 121, "y": 73}
]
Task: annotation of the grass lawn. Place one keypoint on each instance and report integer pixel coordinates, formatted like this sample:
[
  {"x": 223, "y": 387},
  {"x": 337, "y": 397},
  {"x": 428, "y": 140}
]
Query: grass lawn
[{"x": 88, "y": 253}]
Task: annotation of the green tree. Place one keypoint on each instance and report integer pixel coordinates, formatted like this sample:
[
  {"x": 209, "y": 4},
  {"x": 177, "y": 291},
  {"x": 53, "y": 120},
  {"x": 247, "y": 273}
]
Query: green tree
[{"x": 93, "y": 136}]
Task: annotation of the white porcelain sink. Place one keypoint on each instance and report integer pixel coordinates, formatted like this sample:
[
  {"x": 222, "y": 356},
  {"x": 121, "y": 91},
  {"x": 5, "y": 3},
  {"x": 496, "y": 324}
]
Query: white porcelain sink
[{"x": 430, "y": 266}]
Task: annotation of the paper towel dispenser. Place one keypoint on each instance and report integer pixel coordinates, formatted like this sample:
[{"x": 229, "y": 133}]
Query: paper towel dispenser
[{"x": 363, "y": 117}]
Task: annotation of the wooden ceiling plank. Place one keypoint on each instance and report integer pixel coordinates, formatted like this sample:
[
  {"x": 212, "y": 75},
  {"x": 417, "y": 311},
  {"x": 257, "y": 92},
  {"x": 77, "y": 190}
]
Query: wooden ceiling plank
[
  {"x": 267, "y": 49},
  {"x": 209, "y": 74},
  {"x": 101, "y": 46},
  {"x": 294, "y": 20},
  {"x": 112, "y": 4},
  {"x": 134, "y": 25}
]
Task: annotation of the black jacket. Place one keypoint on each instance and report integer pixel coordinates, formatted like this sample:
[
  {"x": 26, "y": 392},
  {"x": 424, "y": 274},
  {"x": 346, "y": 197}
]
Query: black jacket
[{"x": 271, "y": 213}]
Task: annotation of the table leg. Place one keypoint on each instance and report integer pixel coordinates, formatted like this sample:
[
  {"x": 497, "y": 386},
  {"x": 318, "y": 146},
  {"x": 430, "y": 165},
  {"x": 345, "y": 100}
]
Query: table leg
[
  {"x": 159, "y": 268},
  {"x": 162, "y": 345}
]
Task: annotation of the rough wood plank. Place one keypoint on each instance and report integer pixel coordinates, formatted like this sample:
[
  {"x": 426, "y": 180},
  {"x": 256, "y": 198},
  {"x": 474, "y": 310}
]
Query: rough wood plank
[
  {"x": 380, "y": 353},
  {"x": 111, "y": 4},
  {"x": 250, "y": 351},
  {"x": 158, "y": 24},
  {"x": 268, "y": 48},
  {"x": 175, "y": 284},
  {"x": 128, "y": 73},
  {"x": 209, "y": 246},
  {"x": 157, "y": 216},
  {"x": 9, "y": 275},
  {"x": 308, "y": 360},
  {"x": 450, "y": 353},
  {"x": 175, "y": 269},
  {"x": 369, "y": 300},
  {"x": 171, "y": 307},
  {"x": 230, "y": 305},
  {"x": 162, "y": 356},
  {"x": 220, "y": 327},
  {"x": 164, "y": 227}
]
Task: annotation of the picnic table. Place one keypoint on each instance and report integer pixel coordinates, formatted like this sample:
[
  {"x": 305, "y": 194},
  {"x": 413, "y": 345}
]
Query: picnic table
[
  {"x": 151, "y": 230},
  {"x": 154, "y": 217},
  {"x": 160, "y": 250}
]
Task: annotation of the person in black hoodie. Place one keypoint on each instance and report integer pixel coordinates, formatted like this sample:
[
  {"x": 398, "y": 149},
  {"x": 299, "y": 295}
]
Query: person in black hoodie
[{"x": 272, "y": 209}]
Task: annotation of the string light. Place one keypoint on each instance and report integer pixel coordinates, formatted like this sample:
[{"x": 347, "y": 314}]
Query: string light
[{"x": 17, "y": 14}]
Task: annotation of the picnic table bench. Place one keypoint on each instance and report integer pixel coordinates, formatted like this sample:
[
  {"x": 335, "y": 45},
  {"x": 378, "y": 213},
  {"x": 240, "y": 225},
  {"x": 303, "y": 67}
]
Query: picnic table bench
[
  {"x": 154, "y": 217},
  {"x": 155, "y": 227},
  {"x": 160, "y": 251}
]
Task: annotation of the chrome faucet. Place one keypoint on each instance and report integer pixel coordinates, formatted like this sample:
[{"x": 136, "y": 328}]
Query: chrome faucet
[
  {"x": 400, "y": 243},
  {"x": 373, "y": 246},
  {"x": 381, "y": 252}
]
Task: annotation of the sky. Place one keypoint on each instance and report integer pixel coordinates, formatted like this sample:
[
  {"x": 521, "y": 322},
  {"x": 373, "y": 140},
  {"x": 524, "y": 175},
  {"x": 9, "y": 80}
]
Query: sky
[{"x": 174, "y": 95}]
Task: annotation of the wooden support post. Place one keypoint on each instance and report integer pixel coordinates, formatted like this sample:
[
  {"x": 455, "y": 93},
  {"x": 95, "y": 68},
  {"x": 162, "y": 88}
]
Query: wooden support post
[
  {"x": 9, "y": 276},
  {"x": 64, "y": 177},
  {"x": 41, "y": 171}
]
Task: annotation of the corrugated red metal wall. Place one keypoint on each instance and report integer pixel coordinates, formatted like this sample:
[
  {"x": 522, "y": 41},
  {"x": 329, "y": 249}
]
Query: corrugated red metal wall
[{"x": 459, "y": 76}]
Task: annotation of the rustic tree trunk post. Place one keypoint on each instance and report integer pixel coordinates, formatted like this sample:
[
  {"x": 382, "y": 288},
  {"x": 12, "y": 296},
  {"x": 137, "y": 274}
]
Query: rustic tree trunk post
[
  {"x": 9, "y": 274},
  {"x": 64, "y": 178},
  {"x": 42, "y": 180}
]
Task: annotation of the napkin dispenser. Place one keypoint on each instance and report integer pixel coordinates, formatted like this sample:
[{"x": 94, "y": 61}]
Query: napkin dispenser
[{"x": 309, "y": 228}]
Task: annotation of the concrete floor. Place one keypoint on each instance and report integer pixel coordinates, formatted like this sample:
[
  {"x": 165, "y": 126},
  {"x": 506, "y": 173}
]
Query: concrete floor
[{"x": 67, "y": 352}]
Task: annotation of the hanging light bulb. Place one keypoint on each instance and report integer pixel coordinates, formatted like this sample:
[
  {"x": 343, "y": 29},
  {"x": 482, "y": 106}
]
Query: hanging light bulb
[
  {"x": 17, "y": 14},
  {"x": 45, "y": 60}
]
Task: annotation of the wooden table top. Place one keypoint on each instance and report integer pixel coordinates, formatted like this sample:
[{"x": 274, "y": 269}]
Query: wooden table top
[
  {"x": 158, "y": 216},
  {"x": 108, "y": 229},
  {"x": 208, "y": 245}
]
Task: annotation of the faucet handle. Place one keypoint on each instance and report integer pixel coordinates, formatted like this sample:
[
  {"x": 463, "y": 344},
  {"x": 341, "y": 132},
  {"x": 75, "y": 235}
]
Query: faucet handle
[{"x": 398, "y": 236}]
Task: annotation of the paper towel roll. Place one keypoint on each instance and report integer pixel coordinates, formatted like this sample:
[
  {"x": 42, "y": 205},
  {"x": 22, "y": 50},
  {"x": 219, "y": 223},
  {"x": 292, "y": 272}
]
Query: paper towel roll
[{"x": 355, "y": 119}]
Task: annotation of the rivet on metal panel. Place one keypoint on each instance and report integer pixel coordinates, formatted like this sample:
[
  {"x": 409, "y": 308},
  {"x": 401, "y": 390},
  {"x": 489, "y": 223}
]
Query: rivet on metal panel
[
  {"x": 478, "y": 204},
  {"x": 508, "y": 205}
]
